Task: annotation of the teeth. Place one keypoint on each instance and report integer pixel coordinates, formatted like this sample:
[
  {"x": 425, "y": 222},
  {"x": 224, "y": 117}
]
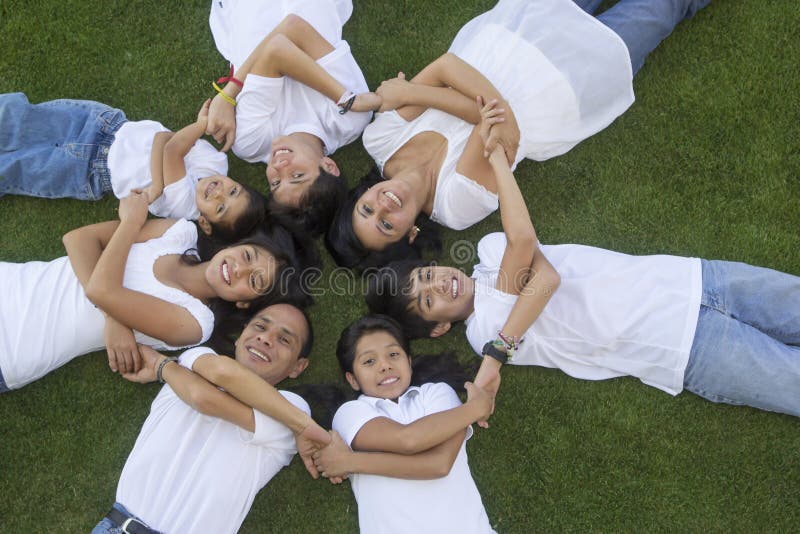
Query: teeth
[
  {"x": 258, "y": 354},
  {"x": 282, "y": 151},
  {"x": 455, "y": 288},
  {"x": 388, "y": 381},
  {"x": 225, "y": 274},
  {"x": 393, "y": 198}
]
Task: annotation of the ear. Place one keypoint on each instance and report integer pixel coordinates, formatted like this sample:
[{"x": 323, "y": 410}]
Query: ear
[
  {"x": 351, "y": 379},
  {"x": 440, "y": 329},
  {"x": 204, "y": 225},
  {"x": 412, "y": 235},
  {"x": 299, "y": 367},
  {"x": 330, "y": 166},
  {"x": 242, "y": 304}
]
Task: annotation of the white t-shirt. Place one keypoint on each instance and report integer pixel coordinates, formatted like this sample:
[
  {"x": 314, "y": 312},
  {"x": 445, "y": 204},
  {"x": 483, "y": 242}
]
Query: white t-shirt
[
  {"x": 129, "y": 165},
  {"x": 388, "y": 505},
  {"x": 191, "y": 473},
  {"x": 613, "y": 314},
  {"x": 269, "y": 107}
]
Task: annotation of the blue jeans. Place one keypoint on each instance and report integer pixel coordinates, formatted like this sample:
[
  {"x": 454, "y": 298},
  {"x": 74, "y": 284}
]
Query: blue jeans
[
  {"x": 643, "y": 24},
  {"x": 106, "y": 526},
  {"x": 56, "y": 149},
  {"x": 746, "y": 349}
]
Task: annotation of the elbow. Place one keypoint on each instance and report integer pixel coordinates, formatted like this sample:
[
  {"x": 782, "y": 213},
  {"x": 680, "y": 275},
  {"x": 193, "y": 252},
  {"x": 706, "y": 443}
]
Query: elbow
[
  {"x": 275, "y": 48},
  {"x": 551, "y": 280},
  {"x": 96, "y": 291},
  {"x": 218, "y": 371},
  {"x": 523, "y": 241},
  {"x": 201, "y": 401}
]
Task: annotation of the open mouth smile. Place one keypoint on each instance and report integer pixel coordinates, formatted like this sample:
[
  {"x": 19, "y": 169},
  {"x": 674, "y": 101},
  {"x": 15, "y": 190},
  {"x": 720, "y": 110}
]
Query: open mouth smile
[
  {"x": 225, "y": 272},
  {"x": 258, "y": 355},
  {"x": 394, "y": 198}
]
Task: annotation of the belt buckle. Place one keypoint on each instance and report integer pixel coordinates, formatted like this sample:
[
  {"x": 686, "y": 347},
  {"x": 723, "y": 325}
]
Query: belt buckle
[{"x": 127, "y": 523}]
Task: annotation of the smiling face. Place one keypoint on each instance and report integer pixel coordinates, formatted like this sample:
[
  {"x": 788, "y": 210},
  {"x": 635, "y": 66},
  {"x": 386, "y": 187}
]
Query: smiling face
[
  {"x": 221, "y": 200},
  {"x": 441, "y": 294},
  {"x": 241, "y": 273},
  {"x": 293, "y": 166},
  {"x": 271, "y": 342},
  {"x": 384, "y": 214},
  {"x": 381, "y": 368}
]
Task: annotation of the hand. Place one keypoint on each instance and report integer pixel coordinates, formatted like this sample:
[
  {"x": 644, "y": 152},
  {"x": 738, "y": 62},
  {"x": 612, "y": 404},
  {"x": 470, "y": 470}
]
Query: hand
[
  {"x": 394, "y": 92},
  {"x": 332, "y": 461},
  {"x": 481, "y": 400},
  {"x": 151, "y": 192},
  {"x": 123, "y": 353},
  {"x": 490, "y": 115},
  {"x": 133, "y": 209},
  {"x": 202, "y": 115},
  {"x": 488, "y": 379},
  {"x": 147, "y": 372},
  {"x": 505, "y": 134},
  {"x": 311, "y": 439},
  {"x": 221, "y": 122}
]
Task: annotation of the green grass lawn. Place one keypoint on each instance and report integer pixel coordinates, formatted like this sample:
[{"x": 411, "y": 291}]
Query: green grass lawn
[{"x": 706, "y": 163}]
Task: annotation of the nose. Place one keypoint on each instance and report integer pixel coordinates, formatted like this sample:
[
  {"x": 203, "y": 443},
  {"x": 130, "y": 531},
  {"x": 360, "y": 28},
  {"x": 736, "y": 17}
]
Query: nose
[
  {"x": 266, "y": 337},
  {"x": 386, "y": 365}
]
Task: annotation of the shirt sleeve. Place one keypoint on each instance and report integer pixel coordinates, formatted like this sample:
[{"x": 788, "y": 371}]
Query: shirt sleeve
[
  {"x": 272, "y": 433},
  {"x": 177, "y": 201},
  {"x": 190, "y": 356},
  {"x": 351, "y": 416}
]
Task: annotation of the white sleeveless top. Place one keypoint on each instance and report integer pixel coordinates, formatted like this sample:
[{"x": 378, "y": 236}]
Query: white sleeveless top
[
  {"x": 46, "y": 319},
  {"x": 565, "y": 75}
]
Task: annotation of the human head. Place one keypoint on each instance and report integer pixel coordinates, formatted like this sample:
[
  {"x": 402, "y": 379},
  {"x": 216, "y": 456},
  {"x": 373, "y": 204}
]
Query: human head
[
  {"x": 346, "y": 247},
  {"x": 296, "y": 162},
  {"x": 262, "y": 269},
  {"x": 275, "y": 343},
  {"x": 424, "y": 298},
  {"x": 373, "y": 353},
  {"x": 229, "y": 210},
  {"x": 316, "y": 207}
]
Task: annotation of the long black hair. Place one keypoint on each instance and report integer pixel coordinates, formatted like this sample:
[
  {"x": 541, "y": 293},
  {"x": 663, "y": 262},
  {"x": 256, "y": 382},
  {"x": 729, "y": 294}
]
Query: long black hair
[
  {"x": 426, "y": 368},
  {"x": 343, "y": 244},
  {"x": 317, "y": 206}
]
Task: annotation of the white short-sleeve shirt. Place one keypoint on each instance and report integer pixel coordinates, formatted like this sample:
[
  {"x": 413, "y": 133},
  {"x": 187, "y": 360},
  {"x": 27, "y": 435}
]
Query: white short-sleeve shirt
[
  {"x": 613, "y": 314},
  {"x": 129, "y": 165},
  {"x": 269, "y": 107},
  {"x": 392, "y": 505},
  {"x": 189, "y": 472}
]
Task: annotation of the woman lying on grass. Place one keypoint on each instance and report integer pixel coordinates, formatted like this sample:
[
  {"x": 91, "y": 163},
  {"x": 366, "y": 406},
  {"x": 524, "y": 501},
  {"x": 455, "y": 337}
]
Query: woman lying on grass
[
  {"x": 408, "y": 430},
  {"x": 729, "y": 332},
  {"x": 204, "y": 453},
  {"x": 560, "y": 75},
  {"x": 132, "y": 275},
  {"x": 83, "y": 149}
]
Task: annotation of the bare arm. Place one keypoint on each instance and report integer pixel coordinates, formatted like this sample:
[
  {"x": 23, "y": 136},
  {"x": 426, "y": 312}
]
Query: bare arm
[
  {"x": 339, "y": 460},
  {"x": 152, "y": 316},
  {"x": 384, "y": 435},
  {"x": 156, "y": 166},
  {"x": 179, "y": 145}
]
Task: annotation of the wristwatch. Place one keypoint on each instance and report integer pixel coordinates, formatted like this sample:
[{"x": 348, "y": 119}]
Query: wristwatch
[{"x": 494, "y": 352}]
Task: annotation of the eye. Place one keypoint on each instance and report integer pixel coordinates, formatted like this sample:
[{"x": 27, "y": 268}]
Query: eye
[
  {"x": 428, "y": 274},
  {"x": 234, "y": 192},
  {"x": 367, "y": 209},
  {"x": 428, "y": 301},
  {"x": 394, "y": 354},
  {"x": 284, "y": 340},
  {"x": 386, "y": 224},
  {"x": 220, "y": 208},
  {"x": 275, "y": 183},
  {"x": 297, "y": 175},
  {"x": 368, "y": 361},
  {"x": 247, "y": 255},
  {"x": 259, "y": 327}
]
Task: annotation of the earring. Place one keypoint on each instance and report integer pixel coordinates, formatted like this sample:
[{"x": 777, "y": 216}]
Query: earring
[{"x": 415, "y": 229}]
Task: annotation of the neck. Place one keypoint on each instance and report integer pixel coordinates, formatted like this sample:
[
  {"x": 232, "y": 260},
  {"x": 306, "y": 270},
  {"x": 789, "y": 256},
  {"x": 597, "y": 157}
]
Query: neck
[
  {"x": 423, "y": 186},
  {"x": 192, "y": 278}
]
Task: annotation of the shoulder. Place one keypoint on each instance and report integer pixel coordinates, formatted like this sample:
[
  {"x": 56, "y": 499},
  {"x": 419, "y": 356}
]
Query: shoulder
[{"x": 491, "y": 248}]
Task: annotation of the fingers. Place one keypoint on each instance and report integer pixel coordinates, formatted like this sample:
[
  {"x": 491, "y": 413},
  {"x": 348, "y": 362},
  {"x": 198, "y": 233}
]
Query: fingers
[
  {"x": 112, "y": 360},
  {"x": 483, "y": 424},
  {"x": 310, "y": 467},
  {"x": 401, "y": 75},
  {"x": 229, "y": 136}
]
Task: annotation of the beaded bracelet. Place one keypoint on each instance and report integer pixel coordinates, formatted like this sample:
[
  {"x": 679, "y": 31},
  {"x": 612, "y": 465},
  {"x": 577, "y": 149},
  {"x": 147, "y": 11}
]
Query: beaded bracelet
[
  {"x": 346, "y": 102},
  {"x": 226, "y": 98},
  {"x": 161, "y": 365}
]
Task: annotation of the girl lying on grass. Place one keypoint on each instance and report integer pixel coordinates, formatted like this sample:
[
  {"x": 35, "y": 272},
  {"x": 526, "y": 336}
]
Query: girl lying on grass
[
  {"x": 135, "y": 280},
  {"x": 294, "y": 96},
  {"x": 729, "y": 332},
  {"x": 408, "y": 430},
  {"x": 83, "y": 149},
  {"x": 204, "y": 453}
]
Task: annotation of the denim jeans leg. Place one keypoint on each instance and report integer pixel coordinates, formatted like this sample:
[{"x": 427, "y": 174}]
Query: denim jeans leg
[
  {"x": 590, "y": 6},
  {"x": 735, "y": 363},
  {"x": 643, "y": 24},
  {"x": 55, "y": 149},
  {"x": 106, "y": 526},
  {"x": 763, "y": 298}
]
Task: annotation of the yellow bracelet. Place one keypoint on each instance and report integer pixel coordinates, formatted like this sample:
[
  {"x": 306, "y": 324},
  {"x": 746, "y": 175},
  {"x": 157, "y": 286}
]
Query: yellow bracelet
[{"x": 226, "y": 98}]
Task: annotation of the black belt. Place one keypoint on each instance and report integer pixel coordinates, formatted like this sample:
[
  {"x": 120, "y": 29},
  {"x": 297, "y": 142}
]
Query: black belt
[{"x": 129, "y": 524}]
